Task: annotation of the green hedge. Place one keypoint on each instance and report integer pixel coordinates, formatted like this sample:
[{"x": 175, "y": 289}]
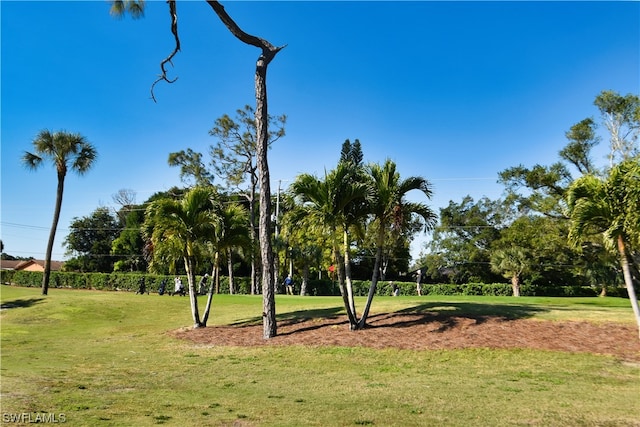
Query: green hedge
[
  {"x": 98, "y": 281},
  {"x": 131, "y": 282}
]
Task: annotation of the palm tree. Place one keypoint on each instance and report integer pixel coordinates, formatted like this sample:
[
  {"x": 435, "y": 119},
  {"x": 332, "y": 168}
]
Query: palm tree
[
  {"x": 232, "y": 233},
  {"x": 330, "y": 204},
  {"x": 392, "y": 212},
  {"x": 511, "y": 263},
  {"x": 306, "y": 239},
  {"x": 611, "y": 207},
  {"x": 181, "y": 229},
  {"x": 267, "y": 54},
  {"x": 66, "y": 151}
]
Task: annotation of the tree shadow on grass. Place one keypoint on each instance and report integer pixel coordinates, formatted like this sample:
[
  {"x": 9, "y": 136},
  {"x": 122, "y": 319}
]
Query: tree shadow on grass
[
  {"x": 294, "y": 317},
  {"x": 447, "y": 315},
  {"x": 450, "y": 314},
  {"x": 20, "y": 303}
]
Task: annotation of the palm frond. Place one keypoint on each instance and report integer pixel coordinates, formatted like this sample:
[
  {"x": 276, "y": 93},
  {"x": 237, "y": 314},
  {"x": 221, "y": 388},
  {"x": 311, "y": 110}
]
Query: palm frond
[
  {"x": 31, "y": 161},
  {"x": 134, "y": 7}
]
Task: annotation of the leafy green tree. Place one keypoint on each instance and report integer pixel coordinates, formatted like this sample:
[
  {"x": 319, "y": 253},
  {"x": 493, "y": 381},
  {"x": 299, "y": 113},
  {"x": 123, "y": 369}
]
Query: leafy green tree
[
  {"x": 128, "y": 246},
  {"x": 267, "y": 54},
  {"x": 191, "y": 167},
  {"x": 582, "y": 138},
  {"x": 546, "y": 185},
  {"x": 621, "y": 116},
  {"x": 352, "y": 152},
  {"x": 182, "y": 229},
  {"x": 461, "y": 243},
  {"x": 90, "y": 239},
  {"x": 550, "y": 258},
  {"x": 610, "y": 207},
  {"x": 65, "y": 151},
  {"x": 303, "y": 239},
  {"x": 234, "y": 159},
  {"x": 392, "y": 211}
]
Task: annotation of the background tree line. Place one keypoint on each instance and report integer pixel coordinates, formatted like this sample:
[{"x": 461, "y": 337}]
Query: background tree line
[
  {"x": 570, "y": 223},
  {"x": 523, "y": 236}
]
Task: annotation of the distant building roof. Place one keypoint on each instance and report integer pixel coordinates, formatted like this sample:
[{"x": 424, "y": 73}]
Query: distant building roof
[
  {"x": 38, "y": 265},
  {"x": 10, "y": 264}
]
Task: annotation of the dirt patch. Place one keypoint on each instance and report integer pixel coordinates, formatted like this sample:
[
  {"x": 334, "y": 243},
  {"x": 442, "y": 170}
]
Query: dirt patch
[{"x": 429, "y": 331}]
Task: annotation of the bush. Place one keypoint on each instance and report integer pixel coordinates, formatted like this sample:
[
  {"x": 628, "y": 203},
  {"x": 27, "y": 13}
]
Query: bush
[{"x": 323, "y": 287}]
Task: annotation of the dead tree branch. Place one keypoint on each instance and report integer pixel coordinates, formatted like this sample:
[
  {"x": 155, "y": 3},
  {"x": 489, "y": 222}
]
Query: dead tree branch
[
  {"x": 268, "y": 50},
  {"x": 168, "y": 59}
]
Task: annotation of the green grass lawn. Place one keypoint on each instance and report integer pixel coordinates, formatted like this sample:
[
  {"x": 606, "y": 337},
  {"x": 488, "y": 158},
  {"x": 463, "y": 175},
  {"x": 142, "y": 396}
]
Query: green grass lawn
[{"x": 105, "y": 359}]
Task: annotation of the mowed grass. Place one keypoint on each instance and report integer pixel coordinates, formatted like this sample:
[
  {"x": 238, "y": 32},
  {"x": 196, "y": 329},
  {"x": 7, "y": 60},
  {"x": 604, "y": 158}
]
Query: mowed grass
[{"x": 105, "y": 359}]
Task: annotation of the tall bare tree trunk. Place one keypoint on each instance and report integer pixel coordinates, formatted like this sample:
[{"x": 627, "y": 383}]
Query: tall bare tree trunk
[
  {"x": 262, "y": 140},
  {"x": 52, "y": 234},
  {"x": 266, "y": 250}
]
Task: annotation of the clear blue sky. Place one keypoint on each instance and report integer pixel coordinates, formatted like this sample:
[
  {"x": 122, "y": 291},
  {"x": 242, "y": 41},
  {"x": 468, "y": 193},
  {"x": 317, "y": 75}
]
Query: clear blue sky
[{"x": 452, "y": 91}]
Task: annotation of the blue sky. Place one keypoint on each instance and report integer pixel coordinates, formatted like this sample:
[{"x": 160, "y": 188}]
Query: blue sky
[{"x": 452, "y": 91}]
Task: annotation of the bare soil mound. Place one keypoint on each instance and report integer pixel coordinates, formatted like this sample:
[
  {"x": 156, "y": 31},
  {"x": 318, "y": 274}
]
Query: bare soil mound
[{"x": 426, "y": 331}]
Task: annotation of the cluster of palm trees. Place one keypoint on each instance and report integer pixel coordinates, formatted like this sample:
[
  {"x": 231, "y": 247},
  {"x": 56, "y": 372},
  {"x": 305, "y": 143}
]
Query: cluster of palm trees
[
  {"x": 190, "y": 228},
  {"x": 352, "y": 198},
  {"x": 348, "y": 200},
  {"x": 338, "y": 209}
]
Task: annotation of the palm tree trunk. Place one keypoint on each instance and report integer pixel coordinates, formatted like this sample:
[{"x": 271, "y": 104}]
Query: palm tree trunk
[
  {"x": 305, "y": 279},
  {"x": 52, "y": 234},
  {"x": 384, "y": 266},
  {"x": 348, "y": 285},
  {"x": 232, "y": 289},
  {"x": 189, "y": 266},
  {"x": 214, "y": 276},
  {"x": 372, "y": 289},
  {"x": 515, "y": 285},
  {"x": 628, "y": 280},
  {"x": 254, "y": 239},
  {"x": 341, "y": 285}
]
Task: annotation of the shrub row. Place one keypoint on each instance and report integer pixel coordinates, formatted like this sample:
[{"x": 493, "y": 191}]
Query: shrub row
[{"x": 131, "y": 282}]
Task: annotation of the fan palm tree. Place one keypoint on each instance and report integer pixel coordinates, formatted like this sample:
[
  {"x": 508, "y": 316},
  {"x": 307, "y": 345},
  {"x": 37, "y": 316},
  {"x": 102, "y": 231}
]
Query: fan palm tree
[
  {"x": 511, "y": 263},
  {"x": 610, "y": 206},
  {"x": 330, "y": 204},
  {"x": 66, "y": 151},
  {"x": 181, "y": 229},
  {"x": 392, "y": 212}
]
